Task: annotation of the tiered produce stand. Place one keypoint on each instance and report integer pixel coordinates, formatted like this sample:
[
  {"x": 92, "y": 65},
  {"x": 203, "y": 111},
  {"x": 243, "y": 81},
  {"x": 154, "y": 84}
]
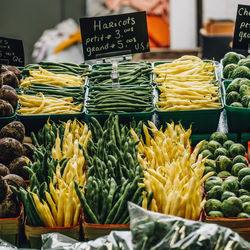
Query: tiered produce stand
[{"x": 74, "y": 148}]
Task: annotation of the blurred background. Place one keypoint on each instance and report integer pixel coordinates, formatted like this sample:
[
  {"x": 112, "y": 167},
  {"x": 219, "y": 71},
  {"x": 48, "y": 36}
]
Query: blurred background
[{"x": 50, "y": 29}]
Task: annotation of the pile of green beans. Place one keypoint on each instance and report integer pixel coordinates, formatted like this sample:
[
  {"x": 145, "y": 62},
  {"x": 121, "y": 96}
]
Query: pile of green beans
[
  {"x": 58, "y": 68},
  {"x": 56, "y": 91},
  {"x": 113, "y": 174},
  {"x": 130, "y": 73},
  {"x": 120, "y": 100}
]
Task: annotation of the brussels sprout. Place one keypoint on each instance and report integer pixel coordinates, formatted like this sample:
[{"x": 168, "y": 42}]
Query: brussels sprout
[
  {"x": 228, "y": 69},
  {"x": 233, "y": 97},
  {"x": 244, "y": 90},
  {"x": 236, "y": 105},
  {"x": 234, "y": 85},
  {"x": 245, "y": 100},
  {"x": 219, "y": 137},
  {"x": 241, "y": 72},
  {"x": 231, "y": 57}
]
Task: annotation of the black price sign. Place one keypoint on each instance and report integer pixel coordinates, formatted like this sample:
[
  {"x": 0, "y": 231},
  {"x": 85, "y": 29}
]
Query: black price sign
[
  {"x": 242, "y": 28},
  {"x": 115, "y": 35},
  {"x": 11, "y": 52}
]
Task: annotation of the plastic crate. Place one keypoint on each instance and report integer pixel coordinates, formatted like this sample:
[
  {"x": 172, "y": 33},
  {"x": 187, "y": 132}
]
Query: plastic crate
[
  {"x": 245, "y": 138},
  {"x": 36, "y": 122},
  {"x": 202, "y": 120},
  {"x": 6, "y": 120},
  {"x": 217, "y": 71},
  {"x": 11, "y": 229},
  {"x": 238, "y": 119},
  {"x": 196, "y": 138},
  {"x": 95, "y": 66}
]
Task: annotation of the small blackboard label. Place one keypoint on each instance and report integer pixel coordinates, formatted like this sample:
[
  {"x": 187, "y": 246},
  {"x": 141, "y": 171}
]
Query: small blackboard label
[
  {"x": 11, "y": 52},
  {"x": 107, "y": 36},
  {"x": 242, "y": 28}
]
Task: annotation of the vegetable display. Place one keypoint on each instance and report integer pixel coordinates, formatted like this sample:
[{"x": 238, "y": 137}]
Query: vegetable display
[
  {"x": 57, "y": 68},
  {"x": 90, "y": 172},
  {"x": 9, "y": 94},
  {"x": 13, "y": 156},
  {"x": 225, "y": 157},
  {"x": 171, "y": 171},
  {"x": 9, "y": 75},
  {"x": 51, "y": 199},
  {"x": 119, "y": 100},
  {"x": 59, "y": 144},
  {"x": 187, "y": 83},
  {"x": 46, "y": 77},
  {"x": 56, "y": 91},
  {"x": 229, "y": 197},
  {"x": 31, "y": 104},
  {"x": 9, "y": 79},
  {"x": 130, "y": 73},
  {"x": 113, "y": 174},
  {"x": 9, "y": 207},
  {"x": 238, "y": 93},
  {"x": 235, "y": 66},
  {"x": 59, "y": 207},
  {"x": 12, "y": 162}
]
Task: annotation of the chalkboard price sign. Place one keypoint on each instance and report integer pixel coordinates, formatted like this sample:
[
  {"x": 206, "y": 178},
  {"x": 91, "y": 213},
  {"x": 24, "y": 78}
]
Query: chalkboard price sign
[
  {"x": 11, "y": 52},
  {"x": 242, "y": 28},
  {"x": 107, "y": 36}
]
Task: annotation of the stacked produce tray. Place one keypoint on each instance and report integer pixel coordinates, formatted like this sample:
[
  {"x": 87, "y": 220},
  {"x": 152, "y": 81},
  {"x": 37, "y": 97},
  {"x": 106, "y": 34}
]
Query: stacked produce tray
[
  {"x": 123, "y": 102},
  {"x": 236, "y": 72},
  {"x": 11, "y": 229},
  {"x": 94, "y": 231},
  {"x": 237, "y": 117},
  {"x": 227, "y": 191},
  {"x": 60, "y": 83},
  {"x": 110, "y": 153},
  {"x": 130, "y": 73},
  {"x": 34, "y": 234},
  {"x": 5, "y": 120},
  {"x": 202, "y": 120},
  {"x": 9, "y": 81}
]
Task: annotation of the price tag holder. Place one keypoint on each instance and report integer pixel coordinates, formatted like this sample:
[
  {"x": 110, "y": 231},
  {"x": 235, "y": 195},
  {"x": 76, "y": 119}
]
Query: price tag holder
[
  {"x": 242, "y": 28},
  {"x": 115, "y": 75},
  {"x": 11, "y": 52},
  {"x": 115, "y": 35}
]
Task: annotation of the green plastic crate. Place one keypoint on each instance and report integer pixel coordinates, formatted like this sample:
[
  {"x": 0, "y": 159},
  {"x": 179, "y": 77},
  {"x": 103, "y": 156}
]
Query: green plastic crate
[
  {"x": 196, "y": 138},
  {"x": 217, "y": 73},
  {"x": 124, "y": 118},
  {"x": 36, "y": 122},
  {"x": 238, "y": 119},
  {"x": 95, "y": 66},
  {"x": 5, "y": 120},
  {"x": 202, "y": 121},
  {"x": 245, "y": 138}
]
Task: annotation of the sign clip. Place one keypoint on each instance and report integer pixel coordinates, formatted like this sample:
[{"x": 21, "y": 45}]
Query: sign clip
[{"x": 115, "y": 74}]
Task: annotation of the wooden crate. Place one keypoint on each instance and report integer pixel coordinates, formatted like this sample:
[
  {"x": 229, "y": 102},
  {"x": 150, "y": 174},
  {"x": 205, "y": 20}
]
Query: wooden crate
[
  {"x": 33, "y": 234},
  {"x": 241, "y": 226},
  {"x": 93, "y": 231},
  {"x": 11, "y": 229}
]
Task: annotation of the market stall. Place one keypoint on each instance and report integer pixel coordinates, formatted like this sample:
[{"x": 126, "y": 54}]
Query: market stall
[{"x": 155, "y": 151}]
